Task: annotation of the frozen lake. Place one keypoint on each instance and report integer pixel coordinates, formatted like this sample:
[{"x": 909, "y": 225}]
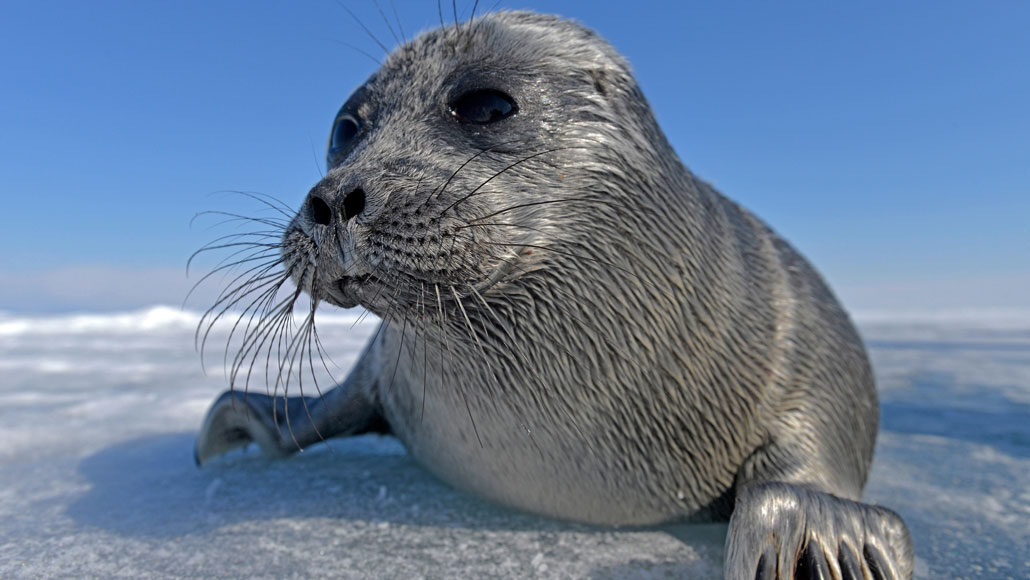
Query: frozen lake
[{"x": 98, "y": 415}]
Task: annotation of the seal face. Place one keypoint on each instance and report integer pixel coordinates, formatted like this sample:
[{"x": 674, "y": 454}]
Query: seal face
[{"x": 573, "y": 323}]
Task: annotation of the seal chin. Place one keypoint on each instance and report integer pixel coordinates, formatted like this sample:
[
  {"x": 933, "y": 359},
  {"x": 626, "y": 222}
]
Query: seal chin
[{"x": 342, "y": 292}]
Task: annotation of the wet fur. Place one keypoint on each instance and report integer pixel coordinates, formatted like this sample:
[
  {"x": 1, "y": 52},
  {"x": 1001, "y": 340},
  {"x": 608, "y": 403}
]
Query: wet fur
[{"x": 573, "y": 323}]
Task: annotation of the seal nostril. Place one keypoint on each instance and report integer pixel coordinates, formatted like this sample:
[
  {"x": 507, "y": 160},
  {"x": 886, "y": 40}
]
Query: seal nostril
[
  {"x": 353, "y": 204},
  {"x": 320, "y": 211}
]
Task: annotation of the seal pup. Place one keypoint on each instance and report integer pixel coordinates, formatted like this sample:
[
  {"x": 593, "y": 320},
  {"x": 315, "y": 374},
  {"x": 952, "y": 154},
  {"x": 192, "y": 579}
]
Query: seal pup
[{"x": 573, "y": 323}]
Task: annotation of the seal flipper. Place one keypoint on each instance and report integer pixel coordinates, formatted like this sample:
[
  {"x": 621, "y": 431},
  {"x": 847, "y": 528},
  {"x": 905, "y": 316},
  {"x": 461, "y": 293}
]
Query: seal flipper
[
  {"x": 782, "y": 531},
  {"x": 236, "y": 419}
]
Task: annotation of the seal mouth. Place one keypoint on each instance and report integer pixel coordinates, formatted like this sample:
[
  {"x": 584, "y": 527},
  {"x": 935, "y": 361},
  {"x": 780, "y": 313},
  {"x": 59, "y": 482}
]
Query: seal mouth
[
  {"x": 346, "y": 284},
  {"x": 351, "y": 291},
  {"x": 343, "y": 291}
]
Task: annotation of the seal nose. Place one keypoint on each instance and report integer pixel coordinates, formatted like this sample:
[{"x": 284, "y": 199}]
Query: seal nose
[
  {"x": 353, "y": 204},
  {"x": 320, "y": 211}
]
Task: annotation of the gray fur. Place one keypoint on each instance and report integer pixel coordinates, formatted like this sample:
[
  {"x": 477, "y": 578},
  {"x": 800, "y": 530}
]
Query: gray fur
[{"x": 574, "y": 324}]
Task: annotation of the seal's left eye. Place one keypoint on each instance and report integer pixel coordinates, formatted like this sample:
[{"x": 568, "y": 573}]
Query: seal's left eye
[
  {"x": 483, "y": 106},
  {"x": 344, "y": 130}
]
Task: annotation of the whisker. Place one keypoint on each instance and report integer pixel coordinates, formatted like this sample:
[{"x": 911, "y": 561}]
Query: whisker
[
  {"x": 439, "y": 191},
  {"x": 464, "y": 396},
  {"x": 389, "y": 26},
  {"x": 425, "y": 349},
  {"x": 472, "y": 331},
  {"x": 600, "y": 201},
  {"x": 501, "y": 172},
  {"x": 226, "y": 302},
  {"x": 267, "y": 200},
  {"x": 360, "y": 51},
  {"x": 396, "y": 17},
  {"x": 232, "y": 217},
  {"x": 270, "y": 261},
  {"x": 363, "y": 27}
]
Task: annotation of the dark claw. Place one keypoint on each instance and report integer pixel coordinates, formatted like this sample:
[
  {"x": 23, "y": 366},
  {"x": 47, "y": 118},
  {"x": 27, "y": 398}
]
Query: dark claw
[
  {"x": 812, "y": 564},
  {"x": 878, "y": 567},
  {"x": 850, "y": 569},
  {"x": 766, "y": 565}
]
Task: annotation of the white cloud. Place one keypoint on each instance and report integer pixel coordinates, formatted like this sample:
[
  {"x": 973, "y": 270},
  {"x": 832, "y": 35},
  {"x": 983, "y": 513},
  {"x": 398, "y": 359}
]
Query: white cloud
[
  {"x": 101, "y": 288},
  {"x": 992, "y": 292}
]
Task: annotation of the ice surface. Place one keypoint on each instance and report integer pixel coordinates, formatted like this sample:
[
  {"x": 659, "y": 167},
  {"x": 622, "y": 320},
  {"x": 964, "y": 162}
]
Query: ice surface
[{"x": 98, "y": 414}]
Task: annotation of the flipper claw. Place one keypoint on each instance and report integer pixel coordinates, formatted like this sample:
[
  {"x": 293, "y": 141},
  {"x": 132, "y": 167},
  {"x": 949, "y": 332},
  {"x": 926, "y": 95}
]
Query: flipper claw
[{"x": 780, "y": 531}]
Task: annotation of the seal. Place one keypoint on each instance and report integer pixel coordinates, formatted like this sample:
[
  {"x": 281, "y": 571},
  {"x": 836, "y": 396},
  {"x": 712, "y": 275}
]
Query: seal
[{"x": 573, "y": 324}]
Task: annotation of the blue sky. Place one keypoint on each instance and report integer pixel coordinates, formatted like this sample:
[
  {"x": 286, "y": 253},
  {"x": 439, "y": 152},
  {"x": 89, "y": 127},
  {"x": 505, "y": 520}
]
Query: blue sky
[{"x": 889, "y": 141}]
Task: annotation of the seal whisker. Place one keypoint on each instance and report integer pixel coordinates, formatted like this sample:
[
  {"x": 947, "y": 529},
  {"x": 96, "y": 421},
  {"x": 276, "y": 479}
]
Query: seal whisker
[
  {"x": 501, "y": 172},
  {"x": 315, "y": 341},
  {"x": 231, "y": 298},
  {"x": 234, "y": 217},
  {"x": 268, "y": 262},
  {"x": 263, "y": 335},
  {"x": 386, "y": 20},
  {"x": 226, "y": 303},
  {"x": 323, "y": 354},
  {"x": 242, "y": 245},
  {"x": 472, "y": 331},
  {"x": 257, "y": 252},
  {"x": 360, "y": 51},
  {"x": 239, "y": 288},
  {"x": 284, "y": 340},
  {"x": 363, "y": 27},
  {"x": 425, "y": 350},
  {"x": 447, "y": 346},
  {"x": 472, "y": 222},
  {"x": 361, "y": 317},
  {"x": 440, "y": 190},
  {"x": 260, "y": 255},
  {"x": 269, "y": 201},
  {"x": 256, "y": 329},
  {"x": 294, "y": 350},
  {"x": 253, "y": 340},
  {"x": 271, "y": 235},
  {"x": 397, "y": 18},
  {"x": 211, "y": 318},
  {"x": 472, "y": 18},
  {"x": 309, "y": 327},
  {"x": 400, "y": 349}
]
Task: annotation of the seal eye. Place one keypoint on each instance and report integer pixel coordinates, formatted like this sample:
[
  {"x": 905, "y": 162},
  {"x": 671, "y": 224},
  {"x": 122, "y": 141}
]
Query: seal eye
[
  {"x": 344, "y": 130},
  {"x": 483, "y": 106}
]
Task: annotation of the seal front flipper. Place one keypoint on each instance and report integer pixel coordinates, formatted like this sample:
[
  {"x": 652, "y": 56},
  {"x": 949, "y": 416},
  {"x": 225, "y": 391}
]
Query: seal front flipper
[
  {"x": 781, "y": 531},
  {"x": 237, "y": 418}
]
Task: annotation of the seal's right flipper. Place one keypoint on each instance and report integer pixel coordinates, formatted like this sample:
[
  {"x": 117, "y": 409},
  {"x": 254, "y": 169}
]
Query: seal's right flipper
[
  {"x": 236, "y": 419},
  {"x": 781, "y": 531}
]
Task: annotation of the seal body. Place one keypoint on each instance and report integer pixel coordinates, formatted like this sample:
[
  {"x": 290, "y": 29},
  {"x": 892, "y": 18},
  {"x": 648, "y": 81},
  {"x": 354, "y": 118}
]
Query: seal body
[{"x": 573, "y": 323}]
